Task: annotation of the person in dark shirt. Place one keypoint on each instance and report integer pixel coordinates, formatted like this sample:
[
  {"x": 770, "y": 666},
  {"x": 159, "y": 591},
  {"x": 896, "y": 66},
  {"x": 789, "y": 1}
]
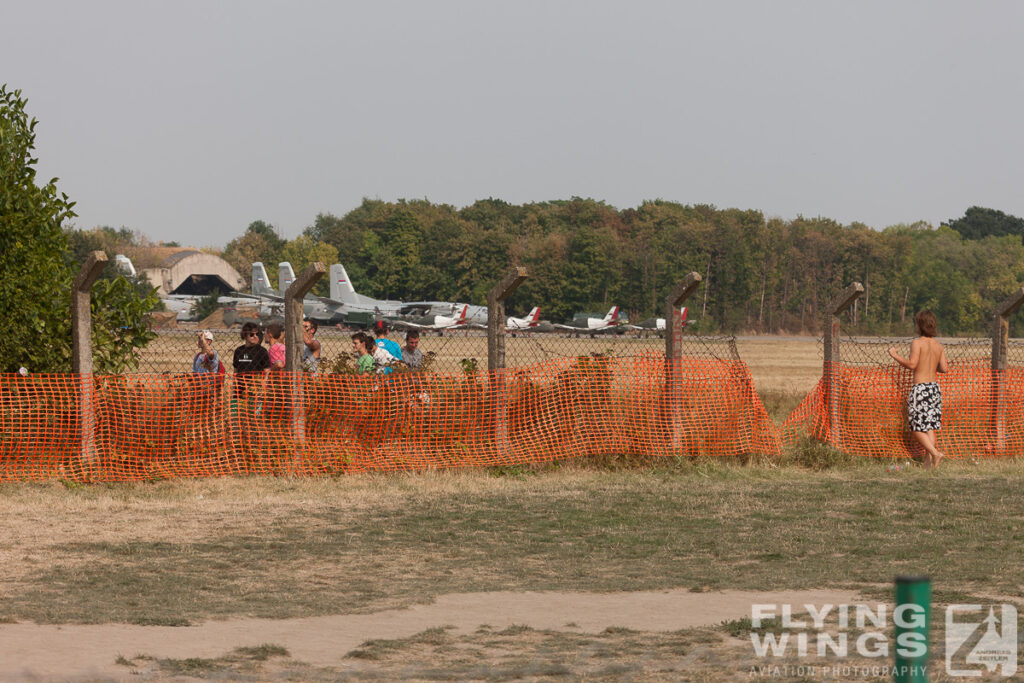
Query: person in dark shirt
[
  {"x": 250, "y": 357},
  {"x": 250, "y": 363}
]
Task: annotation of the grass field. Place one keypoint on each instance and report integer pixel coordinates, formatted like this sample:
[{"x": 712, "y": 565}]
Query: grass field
[{"x": 177, "y": 553}]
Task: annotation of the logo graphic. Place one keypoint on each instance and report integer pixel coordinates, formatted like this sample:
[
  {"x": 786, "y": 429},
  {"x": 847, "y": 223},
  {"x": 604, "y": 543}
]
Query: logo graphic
[{"x": 980, "y": 638}]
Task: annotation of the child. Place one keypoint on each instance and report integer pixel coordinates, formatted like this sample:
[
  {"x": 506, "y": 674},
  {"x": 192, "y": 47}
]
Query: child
[
  {"x": 924, "y": 404},
  {"x": 276, "y": 352},
  {"x": 363, "y": 345},
  {"x": 207, "y": 359}
]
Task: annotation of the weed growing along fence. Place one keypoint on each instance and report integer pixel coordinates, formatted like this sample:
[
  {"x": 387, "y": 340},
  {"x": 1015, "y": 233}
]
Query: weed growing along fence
[{"x": 159, "y": 426}]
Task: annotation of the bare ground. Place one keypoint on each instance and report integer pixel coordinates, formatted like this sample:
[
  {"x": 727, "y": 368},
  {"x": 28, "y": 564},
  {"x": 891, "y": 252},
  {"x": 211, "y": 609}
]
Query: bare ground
[{"x": 66, "y": 652}]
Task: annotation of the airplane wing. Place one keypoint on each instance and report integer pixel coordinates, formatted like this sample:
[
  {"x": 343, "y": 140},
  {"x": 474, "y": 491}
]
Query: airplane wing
[
  {"x": 258, "y": 297},
  {"x": 570, "y": 327},
  {"x": 403, "y": 324}
]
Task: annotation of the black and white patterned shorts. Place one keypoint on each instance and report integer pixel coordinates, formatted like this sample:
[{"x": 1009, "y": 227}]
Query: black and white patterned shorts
[{"x": 924, "y": 407}]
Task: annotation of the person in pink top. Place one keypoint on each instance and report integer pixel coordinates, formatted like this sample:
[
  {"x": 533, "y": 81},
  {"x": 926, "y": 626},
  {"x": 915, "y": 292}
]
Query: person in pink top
[{"x": 275, "y": 334}]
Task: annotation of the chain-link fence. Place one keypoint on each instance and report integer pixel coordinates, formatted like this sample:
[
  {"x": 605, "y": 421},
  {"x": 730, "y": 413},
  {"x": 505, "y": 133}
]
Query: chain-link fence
[
  {"x": 865, "y": 351},
  {"x": 450, "y": 351}
]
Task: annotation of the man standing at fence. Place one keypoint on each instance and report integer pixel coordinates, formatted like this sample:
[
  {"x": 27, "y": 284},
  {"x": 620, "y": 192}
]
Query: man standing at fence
[
  {"x": 310, "y": 346},
  {"x": 411, "y": 355},
  {"x": 924, "y": 404}
]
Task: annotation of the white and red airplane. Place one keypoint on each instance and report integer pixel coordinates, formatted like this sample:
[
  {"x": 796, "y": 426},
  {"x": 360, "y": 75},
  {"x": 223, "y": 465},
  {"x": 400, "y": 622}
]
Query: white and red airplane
[
  {"x": 530, "y": 322},
  {"x": 608, "y": 322},
  {"x": 436, "y": 322}
]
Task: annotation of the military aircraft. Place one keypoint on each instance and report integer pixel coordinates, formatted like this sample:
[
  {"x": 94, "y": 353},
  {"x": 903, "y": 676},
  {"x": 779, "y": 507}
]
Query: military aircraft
[
  {"x": 657, "y": 324},
  {"x": 609, "y": 322},
  {"x": 323, "y": 310},
  {"x": 343, "y": 292}
]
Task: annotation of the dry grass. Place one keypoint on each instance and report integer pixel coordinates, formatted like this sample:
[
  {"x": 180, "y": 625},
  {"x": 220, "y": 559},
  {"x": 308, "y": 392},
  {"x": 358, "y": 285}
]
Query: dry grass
[{"x": 184, "y": 551}]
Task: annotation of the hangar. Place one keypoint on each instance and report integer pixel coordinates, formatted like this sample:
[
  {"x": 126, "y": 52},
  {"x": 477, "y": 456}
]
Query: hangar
[{"x": 189, "y": 271}]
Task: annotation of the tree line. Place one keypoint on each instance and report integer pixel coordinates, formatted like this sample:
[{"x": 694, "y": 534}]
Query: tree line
[{"x": 765, "y": 275}]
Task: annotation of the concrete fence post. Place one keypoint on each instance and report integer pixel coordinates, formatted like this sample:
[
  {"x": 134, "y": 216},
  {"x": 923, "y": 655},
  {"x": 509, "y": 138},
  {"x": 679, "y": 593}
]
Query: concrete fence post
[
  {"x": 1000, "y": 344},
  {"x": 496, "y": 351},
  {"x": 832, "y": 325},
  {"x": 673, "y": 399},
  {"x": 293, "y": 345},
  {"x": 81, "y": 350}
]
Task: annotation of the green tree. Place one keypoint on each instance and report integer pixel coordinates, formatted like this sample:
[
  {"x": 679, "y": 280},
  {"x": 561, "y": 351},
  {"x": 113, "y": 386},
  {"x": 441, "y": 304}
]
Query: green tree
[
  {"x": 259, "y": 243},
  {"x": 38, "y": 267},
  {"x": 302, "y": 251},
  {"x": 978, "y": 222}
]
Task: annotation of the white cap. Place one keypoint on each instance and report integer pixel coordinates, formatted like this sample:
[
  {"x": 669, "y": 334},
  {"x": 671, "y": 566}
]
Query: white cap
[{"x": 206, "y": 334}]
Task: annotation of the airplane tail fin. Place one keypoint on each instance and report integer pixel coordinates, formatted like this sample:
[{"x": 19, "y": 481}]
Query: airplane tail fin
[
  {"x": 285, "y": 276},
  {"x": 613, "y": 315},
  {"x": 341, "y": 286},
  {"x": 461, "y": 320},
  {"x": 534, "y": 317},
  {"x": 260, "y": 280},
  {"x": 125, "y": 264},
  {"x": 683, "y": 312}
]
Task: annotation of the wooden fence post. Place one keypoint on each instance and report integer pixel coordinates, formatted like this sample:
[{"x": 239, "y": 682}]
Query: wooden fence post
[
  {"x": 81, "y": 350},
  {"x": 673, "y": 399},
  {"x": 293, "y": 346},
  {"x": 835, "y": 309},
  {"x": 496, "y": 351},
  {"x": 1000, "y": 344}
]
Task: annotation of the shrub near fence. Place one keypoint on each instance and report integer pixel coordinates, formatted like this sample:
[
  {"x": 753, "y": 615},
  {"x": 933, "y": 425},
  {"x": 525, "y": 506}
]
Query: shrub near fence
[{"x": 159, "y": 426}]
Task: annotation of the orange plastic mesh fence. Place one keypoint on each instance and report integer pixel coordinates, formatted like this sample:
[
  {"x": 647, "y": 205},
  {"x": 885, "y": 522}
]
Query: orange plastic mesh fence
[
  {"x": 158, "y": 426},
  {"x": 870, "y": 412}
]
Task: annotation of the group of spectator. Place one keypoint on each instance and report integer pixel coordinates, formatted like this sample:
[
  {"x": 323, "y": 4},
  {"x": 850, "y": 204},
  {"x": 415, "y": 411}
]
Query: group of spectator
[
  {"x": 251, "y": 356},
  {"x": 383, "y": 355},
  {"x": 375, "y": 355}
]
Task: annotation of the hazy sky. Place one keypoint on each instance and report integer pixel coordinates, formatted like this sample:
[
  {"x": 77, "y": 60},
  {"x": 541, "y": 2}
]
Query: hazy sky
[{"x": 188, "y": 120}]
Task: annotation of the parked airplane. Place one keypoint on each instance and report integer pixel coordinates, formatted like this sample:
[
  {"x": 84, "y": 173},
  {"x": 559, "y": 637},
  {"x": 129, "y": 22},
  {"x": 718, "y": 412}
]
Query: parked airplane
[
  {"x": 657, "y": 324},
  {"x": 437, "y": 322},
  {"x": 609, "y": 322},
  {"x": 415, "y": 311},
  {"x": 531, "y": 321},
  {"x": 476, "y": 315},
  {"x": 324, "y": 311},
  {"x": 342, "y": 291}
]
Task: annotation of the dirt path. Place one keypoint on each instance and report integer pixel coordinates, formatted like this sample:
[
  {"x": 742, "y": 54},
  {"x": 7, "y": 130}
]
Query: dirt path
[{"x": 78, "y": 652}]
